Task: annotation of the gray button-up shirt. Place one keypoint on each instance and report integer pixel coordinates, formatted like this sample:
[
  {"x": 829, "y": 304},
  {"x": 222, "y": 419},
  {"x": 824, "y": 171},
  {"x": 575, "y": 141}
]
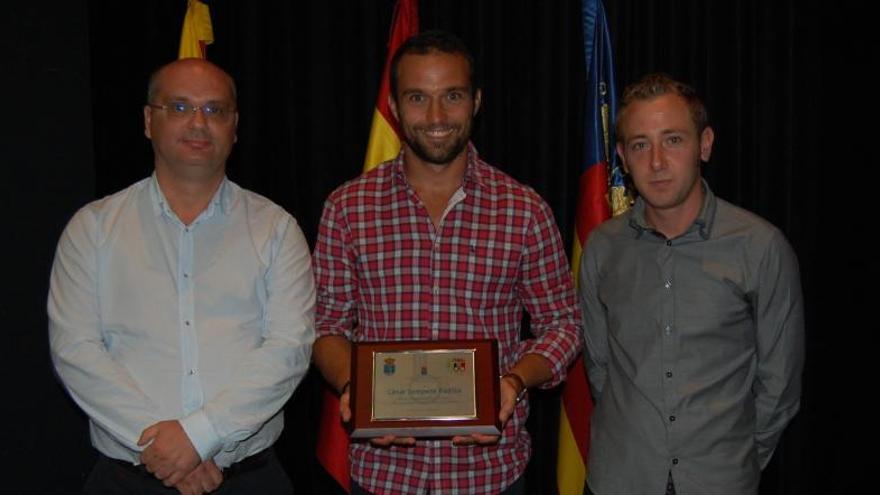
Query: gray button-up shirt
[{"x": 694, "y": 351}]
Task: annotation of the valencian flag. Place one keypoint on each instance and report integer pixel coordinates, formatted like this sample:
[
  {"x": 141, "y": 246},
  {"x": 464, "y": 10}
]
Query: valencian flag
[
  {"x": 383, "y": 145},
  {"x": 197, "y": 31},
  {"x": 601, "y": 191}
]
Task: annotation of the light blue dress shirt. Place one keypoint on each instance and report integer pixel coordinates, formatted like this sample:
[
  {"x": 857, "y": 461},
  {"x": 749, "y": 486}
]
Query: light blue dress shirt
[{"x": 210, "y": 324}]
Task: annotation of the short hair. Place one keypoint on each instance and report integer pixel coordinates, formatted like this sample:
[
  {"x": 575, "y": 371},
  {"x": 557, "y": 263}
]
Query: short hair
[
  {"x": 435, "y": 40},
  {"x": 657, "y": 84},
  {"x": 153, "y": 84}
]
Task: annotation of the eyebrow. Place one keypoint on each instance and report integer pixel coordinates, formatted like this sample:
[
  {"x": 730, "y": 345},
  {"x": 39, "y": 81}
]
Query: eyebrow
[
  {"x": 663, "y": 132},
  {"x": 444, "y": 90},
  {"x": 190, "y": 100}
]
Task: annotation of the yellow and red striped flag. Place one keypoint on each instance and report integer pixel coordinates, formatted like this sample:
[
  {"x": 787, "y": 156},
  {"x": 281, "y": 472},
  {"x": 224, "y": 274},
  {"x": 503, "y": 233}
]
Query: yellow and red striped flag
[
  {"x": 601, "y": 193},
  {"x": 383, "y": 145},
  {"x": 197, "y": 31}
]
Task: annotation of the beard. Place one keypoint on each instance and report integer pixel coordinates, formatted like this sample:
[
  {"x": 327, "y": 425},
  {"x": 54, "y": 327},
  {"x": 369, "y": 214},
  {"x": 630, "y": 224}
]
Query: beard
[{"x": 442, "y": 153}]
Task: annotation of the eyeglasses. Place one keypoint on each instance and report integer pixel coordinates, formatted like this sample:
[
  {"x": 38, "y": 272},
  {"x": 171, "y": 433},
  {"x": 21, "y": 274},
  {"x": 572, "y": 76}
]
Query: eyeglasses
[{"x": 183, "y": 110}]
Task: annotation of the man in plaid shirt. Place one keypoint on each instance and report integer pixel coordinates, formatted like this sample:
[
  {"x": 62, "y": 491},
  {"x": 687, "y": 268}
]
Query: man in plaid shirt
[{"x": 439, "y": 245}]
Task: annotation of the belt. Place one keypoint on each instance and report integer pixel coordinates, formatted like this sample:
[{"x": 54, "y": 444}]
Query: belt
[
  {"x": 251, "y": 463},
  {"x": 256, "y": 461}
]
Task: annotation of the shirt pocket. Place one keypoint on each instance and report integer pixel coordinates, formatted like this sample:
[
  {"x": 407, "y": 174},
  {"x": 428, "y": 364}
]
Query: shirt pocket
[{"x": 486, "y": 273}]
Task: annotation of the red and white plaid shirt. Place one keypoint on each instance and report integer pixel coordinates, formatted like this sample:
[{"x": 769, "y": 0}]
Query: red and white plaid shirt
[{"x": 384, "y": 272}]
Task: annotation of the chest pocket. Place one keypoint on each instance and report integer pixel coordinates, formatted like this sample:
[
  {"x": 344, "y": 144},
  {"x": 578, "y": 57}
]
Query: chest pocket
[{"x": 486, "y": 270}]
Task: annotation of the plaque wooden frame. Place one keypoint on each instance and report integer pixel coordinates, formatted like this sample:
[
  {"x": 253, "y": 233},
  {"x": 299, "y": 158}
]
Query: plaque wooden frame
[{"x": 486, "y": 392}]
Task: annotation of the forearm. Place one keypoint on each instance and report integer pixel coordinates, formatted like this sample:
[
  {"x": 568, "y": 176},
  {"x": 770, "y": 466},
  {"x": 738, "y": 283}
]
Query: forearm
[
  {"x": 547, "y": 292},
  {"x": 337, "y": 282},
  {"x": 533, "y": 369},
  {"x": 101, "y": 386},
  {"x": 556, "y": 327},
  {"x": 597, "y": 374},
  {"x": 268, "y": 370},
  {"x": 595, "y": 326},
  {"x": 104, "y": 390},
  {"x": 780, "y": 346},
  {"x": 332, "y": 355}
]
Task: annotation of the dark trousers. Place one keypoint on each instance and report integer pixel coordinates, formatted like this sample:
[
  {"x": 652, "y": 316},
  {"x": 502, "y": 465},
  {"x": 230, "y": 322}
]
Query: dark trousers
[
  {"x": 260, "y": 473},
  {"x": 517, "y": 488}
]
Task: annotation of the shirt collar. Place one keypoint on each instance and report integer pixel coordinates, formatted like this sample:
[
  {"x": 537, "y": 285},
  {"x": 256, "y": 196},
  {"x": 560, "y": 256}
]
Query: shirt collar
[
  {"x": 702, "y": 224},
  {"x": 223, "y": 198},
  {"x": 474, "y": 174}
]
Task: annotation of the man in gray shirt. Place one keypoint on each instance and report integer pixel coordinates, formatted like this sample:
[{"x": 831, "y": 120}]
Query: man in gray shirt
[{"x": 693, "y": 317}]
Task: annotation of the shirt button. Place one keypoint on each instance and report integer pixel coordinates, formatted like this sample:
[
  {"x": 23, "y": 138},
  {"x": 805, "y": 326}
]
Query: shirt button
[
  {"x": 436, "y": 290},
  {"x": 675, "y": 460},
  {"x": 672, "y": 419},
  {"x": 185, "y": 275},
  {"x": 186, "y": 322},
  {"x": 668, "y": 329},
  {"x": 192, "y": 371},
  {"x": 668, "y": 284},
  {"x": 668, "y": 242},
  {"x": 668, "y": 374}
]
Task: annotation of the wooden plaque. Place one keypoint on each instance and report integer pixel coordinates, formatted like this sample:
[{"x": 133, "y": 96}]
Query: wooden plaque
[{"x": 424, "y": 388}]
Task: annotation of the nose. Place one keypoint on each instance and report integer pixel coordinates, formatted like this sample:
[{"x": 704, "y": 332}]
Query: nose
[
  {"x": 198, "y": 119},
  {"x": 657, "y": 159},
  {"x": 436, "y": 112}
]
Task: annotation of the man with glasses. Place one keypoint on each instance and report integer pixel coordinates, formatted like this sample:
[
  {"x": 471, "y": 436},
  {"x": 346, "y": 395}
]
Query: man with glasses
[{"x": 181, "y": 308}]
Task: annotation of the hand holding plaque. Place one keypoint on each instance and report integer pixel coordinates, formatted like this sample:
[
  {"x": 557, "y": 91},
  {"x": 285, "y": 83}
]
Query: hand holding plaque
[{"x": 424, "y": 388}]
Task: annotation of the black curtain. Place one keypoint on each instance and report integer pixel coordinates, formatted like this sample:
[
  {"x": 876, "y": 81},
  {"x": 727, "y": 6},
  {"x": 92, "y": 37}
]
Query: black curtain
[{"x": 308, "y": 76}]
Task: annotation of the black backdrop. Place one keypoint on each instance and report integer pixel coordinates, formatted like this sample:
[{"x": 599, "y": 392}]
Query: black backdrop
[{"x": 74, "y": 81}]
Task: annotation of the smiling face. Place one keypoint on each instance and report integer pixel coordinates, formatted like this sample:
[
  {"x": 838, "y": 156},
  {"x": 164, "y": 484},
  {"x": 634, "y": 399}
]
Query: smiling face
[
  {"x": 662, "y": 151},
  {"x": 192, "y": 146},
  {"x": 435, "y": 106}
]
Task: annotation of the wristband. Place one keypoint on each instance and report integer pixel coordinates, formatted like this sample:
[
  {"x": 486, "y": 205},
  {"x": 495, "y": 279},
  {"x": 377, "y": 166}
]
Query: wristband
[{"x": 519, "y": 383}]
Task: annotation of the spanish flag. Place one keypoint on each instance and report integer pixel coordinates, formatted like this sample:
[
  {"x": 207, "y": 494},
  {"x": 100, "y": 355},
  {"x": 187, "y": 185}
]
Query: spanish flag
[
  {"x": 601, "y": 193},
  {"x": 197, "y": 31},
  {"x": 383, "y": 145}
]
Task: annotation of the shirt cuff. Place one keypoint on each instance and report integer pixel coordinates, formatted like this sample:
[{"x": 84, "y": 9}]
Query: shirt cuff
[{"x": 202, "y": 435}]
